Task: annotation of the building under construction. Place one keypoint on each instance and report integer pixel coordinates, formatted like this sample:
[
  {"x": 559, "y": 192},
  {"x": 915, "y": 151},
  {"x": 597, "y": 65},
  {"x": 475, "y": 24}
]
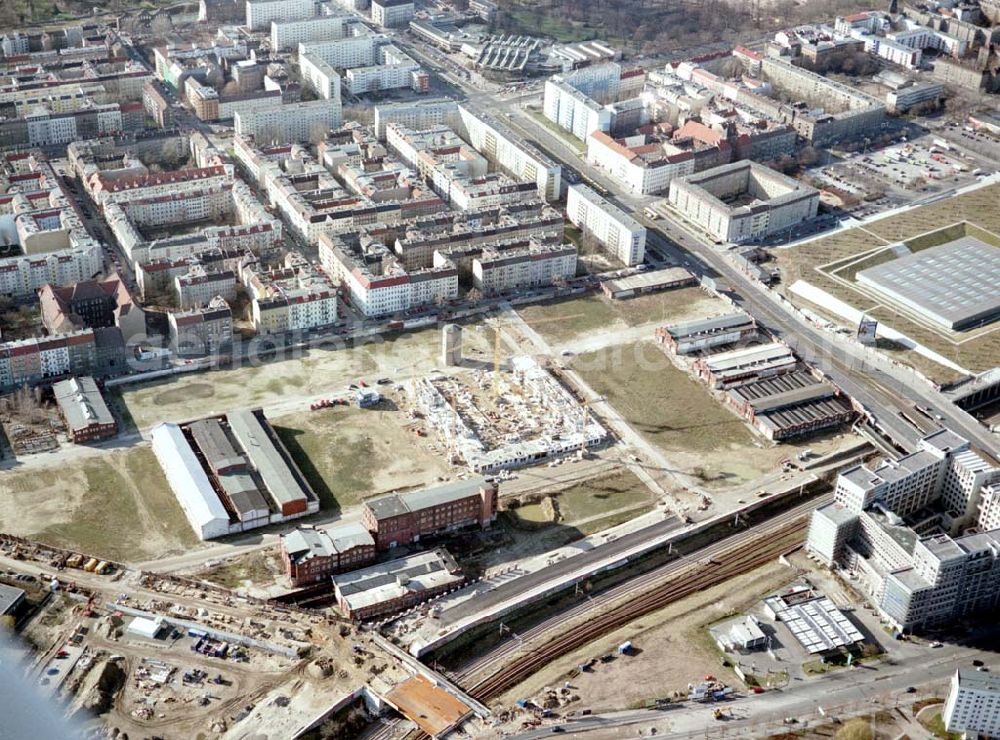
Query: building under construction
[{"x": 496, "y": 421}]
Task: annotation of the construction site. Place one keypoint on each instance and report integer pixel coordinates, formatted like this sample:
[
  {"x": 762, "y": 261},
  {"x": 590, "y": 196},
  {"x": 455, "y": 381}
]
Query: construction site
[{"x": 495, "y": 421}]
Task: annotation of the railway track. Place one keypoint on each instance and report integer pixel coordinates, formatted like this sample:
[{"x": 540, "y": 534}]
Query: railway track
[{"x": 669, "y": 583}]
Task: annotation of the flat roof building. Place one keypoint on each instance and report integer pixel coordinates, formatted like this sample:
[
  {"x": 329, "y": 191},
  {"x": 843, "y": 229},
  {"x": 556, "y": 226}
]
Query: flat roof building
[
  {"x": 688, "y": 337},
  {"x": 648, "y": 282},
  {"x": 10, "y": 599},
  {"x": 973, "y": 704},
  {"x": 390, "y": 587},
  {"x": 743, "y": 201},
  {"x": 814, "y": 621},
  {"x": 622, "y": 236},
  {"x": 954, "y": 285}
]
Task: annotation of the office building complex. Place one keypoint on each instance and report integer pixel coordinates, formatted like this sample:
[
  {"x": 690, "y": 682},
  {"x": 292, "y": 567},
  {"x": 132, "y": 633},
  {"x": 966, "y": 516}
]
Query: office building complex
[
  {"x": 973, "y": 704},
  {"x": 744, "y": 201},
  {"x": 909, "y": 529}
]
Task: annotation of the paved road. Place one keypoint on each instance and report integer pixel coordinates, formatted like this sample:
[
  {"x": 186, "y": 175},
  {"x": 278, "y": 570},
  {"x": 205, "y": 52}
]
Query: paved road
[
  {"x": 883, "y": 390},
  {"x": 840, "y": 693}
]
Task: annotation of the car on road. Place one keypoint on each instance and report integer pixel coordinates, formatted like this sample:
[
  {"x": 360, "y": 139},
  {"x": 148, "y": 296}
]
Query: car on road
[
  {"x": 911, "y": 690},
  {"x": 557, "y": 728}
]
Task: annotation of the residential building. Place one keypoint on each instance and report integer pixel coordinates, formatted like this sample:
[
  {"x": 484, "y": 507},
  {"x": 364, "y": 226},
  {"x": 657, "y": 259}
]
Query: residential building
[
  {"x": 29, "y": 362},
  {"x": 201, "y": 331},
  {"x": 91, "y": 304},
  {"x": 298, "y": 122},
  {"x": 197, "y": 287},
  {"x": 312, "y": 555},
  {"x": 295, "y": 298},
  {"x": 537, "y": 265},
  {"x": 83, "y": 410},
  {"x": 392, "y": 13},
  {"x": 402, "y": 518},
  {"x": 644, "y": 168},
  {"x": 260, "y": 13},
  {"x": 622, "y": 236},
  {"x": 288, "y": 34},
  {"x": 973, "y": 704}
]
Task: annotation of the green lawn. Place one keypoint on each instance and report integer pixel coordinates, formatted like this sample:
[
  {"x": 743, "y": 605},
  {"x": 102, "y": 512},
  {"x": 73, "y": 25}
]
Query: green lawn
[
  {"x": 600, "y": 495},
  {"x": 666, "y": 405}
]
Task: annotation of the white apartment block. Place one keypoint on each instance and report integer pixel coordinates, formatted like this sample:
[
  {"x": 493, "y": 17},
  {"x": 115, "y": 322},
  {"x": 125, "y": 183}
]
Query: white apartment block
[
  {"x": 620, "y": 234},
  {"x": 319, "y": 76},
  {"x": 644, "y": 174},
  {"x": 392, "y": 13},
  {"x": 417, "y": 115},
  {"x": 297, "y": 122},
  {"x": 497, "y": 271},
  {"x": 573, "y": 110},
  {"x": 24, "y": 275},
  {"x": 289, "y": 34},
  {"x": 973, "y": 705},
  {"x": 260, "y": 13},
  {"x": 356, "y": 51},
  {"x": 394, "y": 69},
  {"x": 197, "y": 287},
  {"x": 506, "y": 149}
]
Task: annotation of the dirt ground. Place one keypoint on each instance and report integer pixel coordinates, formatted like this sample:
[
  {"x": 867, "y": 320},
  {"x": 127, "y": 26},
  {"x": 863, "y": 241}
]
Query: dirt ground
[
  {"x": 679, "y": 414},
  {"x": 284, "y": 385},
  {"x": 349, "y": 454},
  {"x": 118, "y": 505},
  {"x": 580, "y": 318},
  {"x": 672, "y": 645}
]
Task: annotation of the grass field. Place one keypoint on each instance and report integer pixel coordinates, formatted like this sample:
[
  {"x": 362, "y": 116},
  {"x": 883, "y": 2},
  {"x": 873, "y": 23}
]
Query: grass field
[
  {"x": 565, "y": 321},
  {"x": 677, "y": 414},
  {"x": 348, "y": 454},
  {"x": 117, "y": 506},
  {"x": 600, "y": 496},
  {"x": 842, "y": 255}
]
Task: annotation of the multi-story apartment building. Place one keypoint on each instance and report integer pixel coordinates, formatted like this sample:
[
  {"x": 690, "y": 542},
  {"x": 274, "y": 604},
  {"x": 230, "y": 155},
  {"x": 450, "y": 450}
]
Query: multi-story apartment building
[
  {"x": 375, "y": 282},
  {"x": 582, "y": 101},
  {"x": 537, "y": 265},
  {"x": 297, "y": 122},
  {"x": 198, "y": 286},
  {"x": 296, "y": 297},
  {"x": 392, "y": 13},
  {"x": 620, "y": 234},
  {"x": 27, "y": 362},
  {"x": 973, "y": 704},
  {"x": 260, "y": 13},
  {"x": 643, "y": 168},
  {"x": 201, "y": 331},
  {"x": 288, "y": 34},
  {"x": 898, "y": 527}
]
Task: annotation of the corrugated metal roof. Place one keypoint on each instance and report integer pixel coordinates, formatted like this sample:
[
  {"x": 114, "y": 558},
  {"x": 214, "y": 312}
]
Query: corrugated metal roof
[
  {"x": 265, "y": 457},
  {"x": 188, "y": 480}
]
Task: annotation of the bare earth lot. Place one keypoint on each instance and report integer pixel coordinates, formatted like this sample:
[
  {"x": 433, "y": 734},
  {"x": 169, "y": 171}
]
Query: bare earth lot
[
  {"x": 285, "y": 385},
  {"x": 348, "y": 453},
  {"x": 673, "y": 648},
  {"x": 118, "y": 505}
]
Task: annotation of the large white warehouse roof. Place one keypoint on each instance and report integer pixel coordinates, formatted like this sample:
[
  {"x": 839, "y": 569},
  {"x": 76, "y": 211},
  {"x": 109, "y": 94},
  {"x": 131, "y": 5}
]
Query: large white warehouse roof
[{"x": 190, "y": 484}]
